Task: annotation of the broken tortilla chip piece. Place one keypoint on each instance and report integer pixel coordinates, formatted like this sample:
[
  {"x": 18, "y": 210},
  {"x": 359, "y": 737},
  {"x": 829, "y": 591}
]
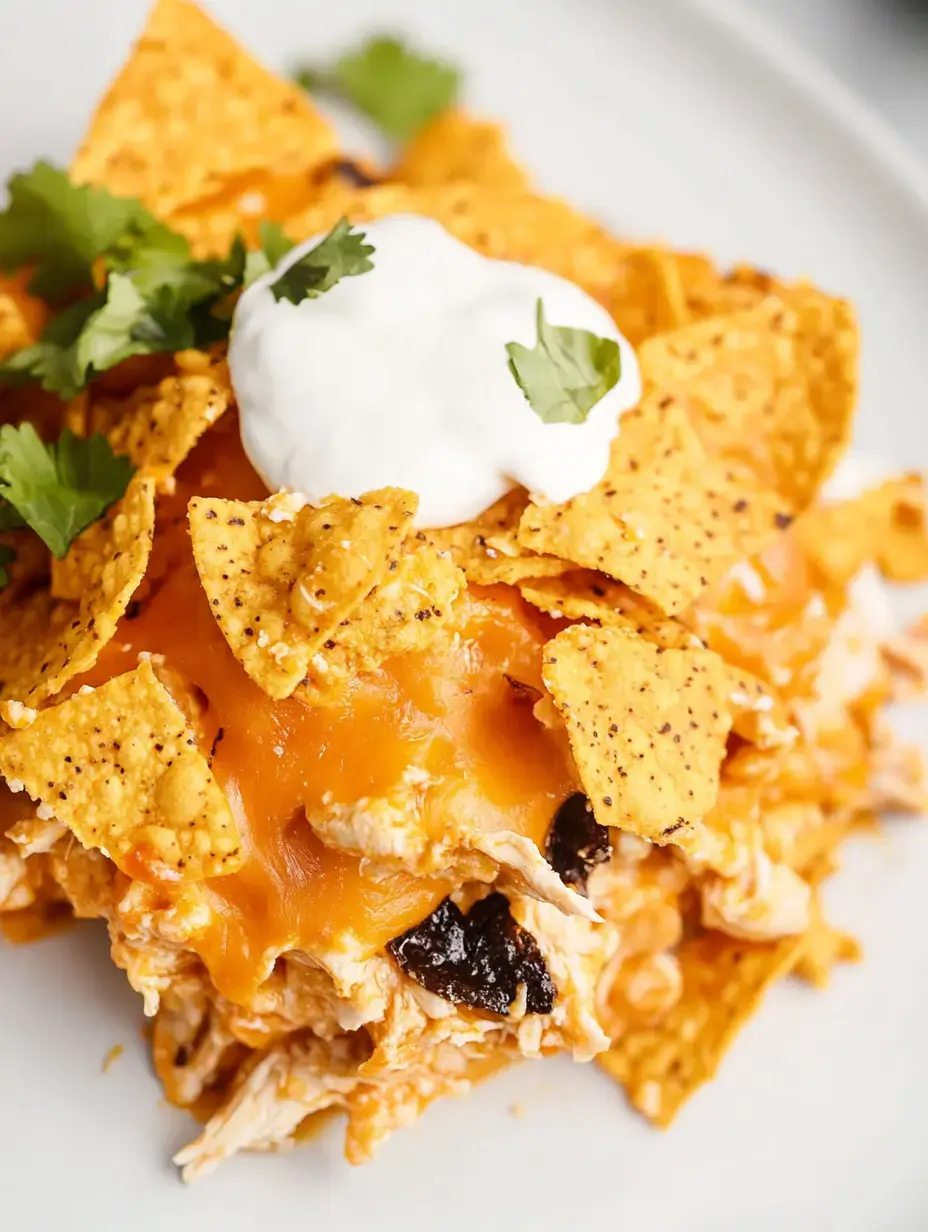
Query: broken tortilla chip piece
[
  {"x": 281, "y": 581},
  {"x": 488, "y": 548},
  {"x": 773, "y": 388},
  {"x": 647, "y": 728},
  {"x": 120, "y": 767},
  {"x": 724, "y": 982},
  {"x": 47, "y": 643},
  {"x": 455, "y": 146},
  {"x": 584, "y": 594},
  {"x": 666, "y": 519},
  {"x": 403, "y": 612},
  {"x": 192, "y": 112},
  {"x": 158, "y": 425}
]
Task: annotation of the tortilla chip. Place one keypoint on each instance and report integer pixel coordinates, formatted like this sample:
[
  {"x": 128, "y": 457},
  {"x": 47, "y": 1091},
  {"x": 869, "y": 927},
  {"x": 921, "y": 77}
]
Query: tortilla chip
[
  {"x": 519, "y": 225},
  {"x": 191, "y": 112},
  {"x": 708, "y": 292},
  {"x": 647, "y": 728},
  {"x": 584, "y": 594},
  {"x": 488, "y": 548},
  {"x": 251, "y": 557},
  {"x": 403, "y": 612},
  {"x": 666, "y": 519},
  {"x": 455, "y": 146},
  {"x": 646, "y": 298},
  {"x": 47, "y": 643},
  {"x": 724, "y": 982},
  {"x": 119, "y": 766},
  {"x": 158, "y": 425},
  {"x": 773, "y": 388}
]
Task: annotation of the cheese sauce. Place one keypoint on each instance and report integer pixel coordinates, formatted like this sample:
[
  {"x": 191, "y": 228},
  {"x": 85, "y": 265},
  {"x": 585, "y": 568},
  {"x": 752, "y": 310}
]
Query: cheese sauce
[
  {"x": 448, "y": 707},
  {"x": 400, "y": 377}
]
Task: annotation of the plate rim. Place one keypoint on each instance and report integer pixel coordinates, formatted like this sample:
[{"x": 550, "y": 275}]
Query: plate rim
[{"x": 780, "y": 54}]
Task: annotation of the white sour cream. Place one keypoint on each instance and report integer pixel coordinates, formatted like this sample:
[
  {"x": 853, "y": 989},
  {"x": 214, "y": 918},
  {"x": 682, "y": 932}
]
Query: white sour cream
[{"x": 399, "y": 377}]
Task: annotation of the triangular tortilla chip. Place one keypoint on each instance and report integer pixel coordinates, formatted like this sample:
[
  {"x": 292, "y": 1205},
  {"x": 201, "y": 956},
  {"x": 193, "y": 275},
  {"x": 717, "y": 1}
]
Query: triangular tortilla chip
[
  {"x": 647, "y": 728},
  {"x": 45, "y": 644},
  {"x": 120, "y": 767},
  {"x": 281, "y": 581},
  {"x": 192, "y": 114},
  {"x": 724, "y": 982},
  {"x": 666, "y": 519},
  {"x": 773, "y": 387}
]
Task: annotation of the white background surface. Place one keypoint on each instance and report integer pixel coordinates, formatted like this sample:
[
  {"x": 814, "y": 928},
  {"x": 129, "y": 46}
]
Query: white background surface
[{"x": 661, "y": 120}]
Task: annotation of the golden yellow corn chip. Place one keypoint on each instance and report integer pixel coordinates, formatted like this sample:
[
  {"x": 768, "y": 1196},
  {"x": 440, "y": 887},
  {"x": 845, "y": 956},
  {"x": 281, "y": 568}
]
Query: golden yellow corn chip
[
  {"x": 584, "y": 594},
  {"x": 647, "y": 727},
  {"x": 773, "y": 387},
  {"x": 666, "y": 519},
  {"x": 455, "y": 146},
  {"x": 488, "y": 548},
  {"x": 46, "y": 643},
  {"x": 708, "y": 292},
  {"x": 191, "y": 114},
  {"x": 281, "y": 581},
  {"x": 120, "y": 767},
  {"x": 158, "y": 425},
  {"x": 724, "y": 982},
  {"x": 646, "y": 299},
  {"x": 402, "y": 613}
]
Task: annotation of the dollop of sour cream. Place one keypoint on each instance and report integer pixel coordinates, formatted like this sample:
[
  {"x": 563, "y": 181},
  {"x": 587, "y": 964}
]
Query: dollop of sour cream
[{"x": 399, "y": 377}]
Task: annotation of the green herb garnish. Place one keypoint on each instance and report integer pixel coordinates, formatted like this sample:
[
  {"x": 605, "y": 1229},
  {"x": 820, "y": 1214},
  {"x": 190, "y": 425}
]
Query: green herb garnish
[
  {"x": 567, "y": 371},
  {"x": 393, "y": 85},
  {"x": 141, "y": 290},
  {"x": 58, "y": 489},
  {"x": 341, "y": 254}
]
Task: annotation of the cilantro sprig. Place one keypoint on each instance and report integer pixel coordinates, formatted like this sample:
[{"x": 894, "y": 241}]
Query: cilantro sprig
[
  {"x": 57, "y": 489},
  {"x": 139, "y": 290},
  {"x": 65, "y": 228},
  {"x": 341, "y": 254},
  {"x": 567, "y": 371},
  {"x": 395, "y": 86}
]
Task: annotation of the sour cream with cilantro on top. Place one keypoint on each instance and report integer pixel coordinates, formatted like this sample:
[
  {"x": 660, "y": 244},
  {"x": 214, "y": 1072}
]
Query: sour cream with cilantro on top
[{"x": 438, "y": 370}]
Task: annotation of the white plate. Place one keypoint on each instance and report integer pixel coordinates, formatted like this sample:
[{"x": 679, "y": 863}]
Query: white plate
[{"x": 672, "y": 119}]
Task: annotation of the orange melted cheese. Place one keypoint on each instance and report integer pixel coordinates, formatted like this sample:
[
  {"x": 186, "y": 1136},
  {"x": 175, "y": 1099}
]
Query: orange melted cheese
[{"x": 447, "y": 708}]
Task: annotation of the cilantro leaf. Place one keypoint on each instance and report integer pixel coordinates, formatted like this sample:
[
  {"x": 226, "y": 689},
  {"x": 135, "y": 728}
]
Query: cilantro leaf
[
  {"x": 567, "y": 371},
  {"x": 274, "y": 247},
  {"x": 64, "y": 228},
  {"x": 59, "y": 489},
  {"x": 393, "y": 85},
  {"x": 340, "y": 254},
  {"x": 7, "y": 556}
]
